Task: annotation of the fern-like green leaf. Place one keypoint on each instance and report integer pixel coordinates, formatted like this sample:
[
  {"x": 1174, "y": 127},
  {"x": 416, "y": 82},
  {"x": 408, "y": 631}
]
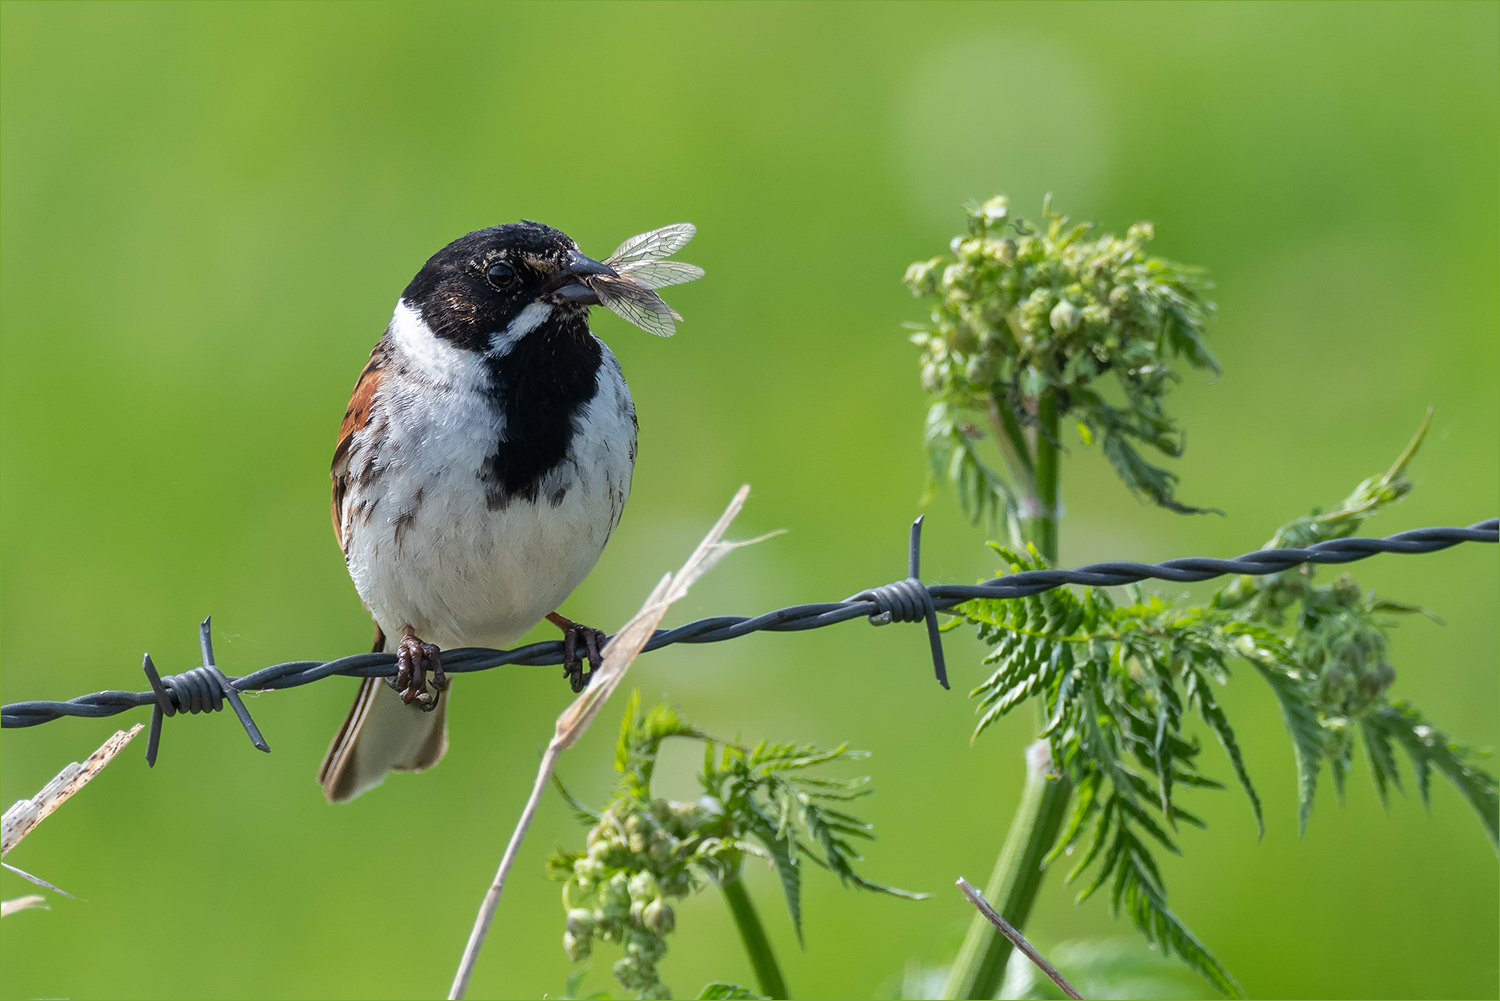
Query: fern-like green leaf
[
  {"x": 1114, "y": 682},
  {"x": 643, "y": 852},
  {"x": 1200, "y": 692},
  {"x": 1268, "y": 653},
  {"x": 984, "y": 496},
  {"x": 1157, "y": 922},
  {"x": 1382, "y": 759},
  {"x": 1428, "y": 748},
  {"x": 781, "y": 850},
  {"x": 585, "y": 813}
]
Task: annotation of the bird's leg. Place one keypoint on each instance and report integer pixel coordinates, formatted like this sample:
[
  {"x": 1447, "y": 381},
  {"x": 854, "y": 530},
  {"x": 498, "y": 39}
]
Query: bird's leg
[
  {"x": 593, "y": 642},
  {"x": 413, "y": 659}
]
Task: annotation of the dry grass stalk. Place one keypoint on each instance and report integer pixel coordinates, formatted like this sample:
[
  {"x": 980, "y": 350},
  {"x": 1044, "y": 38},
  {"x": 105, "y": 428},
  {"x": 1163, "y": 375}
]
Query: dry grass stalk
[
  {"x": 26, "y": 903},
  {"x": 25, "y": 814},
  {"x": 1017, "y": 939}
]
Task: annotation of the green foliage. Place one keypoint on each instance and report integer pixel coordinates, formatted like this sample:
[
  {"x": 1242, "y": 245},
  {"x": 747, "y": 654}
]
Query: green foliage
[
  {"x": 1023, "y": 313},
  {"x": 1116, "y": 684},
  {"x": 787, "y": 817},
  {"x": 1337, "y": 673},
  {"x": 643, "y": 852},
  {"x": 983, "y": 494}
]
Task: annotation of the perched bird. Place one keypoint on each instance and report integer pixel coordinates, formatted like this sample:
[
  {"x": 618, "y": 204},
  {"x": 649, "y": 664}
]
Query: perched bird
[{"x": 484, "y": 460}]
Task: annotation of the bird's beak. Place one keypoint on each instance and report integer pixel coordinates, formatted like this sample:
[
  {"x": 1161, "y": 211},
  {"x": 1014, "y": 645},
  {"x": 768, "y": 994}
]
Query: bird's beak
[{"x": 570, "y": 285}]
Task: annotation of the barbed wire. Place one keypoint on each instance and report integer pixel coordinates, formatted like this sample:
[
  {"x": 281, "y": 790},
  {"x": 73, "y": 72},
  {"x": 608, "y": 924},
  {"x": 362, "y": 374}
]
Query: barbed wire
[{"x": 205, "y": 688}]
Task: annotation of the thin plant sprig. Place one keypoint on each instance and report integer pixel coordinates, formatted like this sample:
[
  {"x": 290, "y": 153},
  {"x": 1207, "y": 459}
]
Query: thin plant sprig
[{"x": 643, "y": 852}]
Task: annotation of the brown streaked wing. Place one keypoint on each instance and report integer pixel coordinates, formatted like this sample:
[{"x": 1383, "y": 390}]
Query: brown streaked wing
[{"x": 355, "y": 418}]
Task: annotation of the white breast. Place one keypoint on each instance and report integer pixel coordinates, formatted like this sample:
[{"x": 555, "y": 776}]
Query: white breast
[{"x": 424, "y": 548}]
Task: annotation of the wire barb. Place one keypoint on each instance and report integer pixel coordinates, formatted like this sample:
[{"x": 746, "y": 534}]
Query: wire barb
[
  {"x": 198, "y": 690},
  {"x": 909, "y": 600}
]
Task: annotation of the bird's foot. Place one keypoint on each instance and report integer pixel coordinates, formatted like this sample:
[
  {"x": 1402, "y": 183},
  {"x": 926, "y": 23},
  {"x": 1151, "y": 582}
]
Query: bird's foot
[
  {"x": 413, "y": 660},
  {"x": 593, "y": 642}
]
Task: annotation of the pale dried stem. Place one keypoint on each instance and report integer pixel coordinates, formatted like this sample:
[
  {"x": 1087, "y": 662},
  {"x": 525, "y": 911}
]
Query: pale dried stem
[
  {"x": 25, "y": 814},
  {"x": 35, "y": 900},
  {"x": 1017, "y": 939}
]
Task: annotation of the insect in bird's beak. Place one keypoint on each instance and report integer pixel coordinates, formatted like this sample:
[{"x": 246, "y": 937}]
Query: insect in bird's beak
[
  {"x": 570, "y": 283},
  {"x": 626, "y": 281}
]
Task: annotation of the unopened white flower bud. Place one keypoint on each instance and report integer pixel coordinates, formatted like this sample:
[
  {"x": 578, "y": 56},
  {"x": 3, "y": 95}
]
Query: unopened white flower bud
[
  {"x": 581, "y": 922},
  {"x": 994, "y": 211},
  {"x": 660, "y": 917},
  {"x": 1065, "y": 317},
  {"x": 643, "y": 886},
  {"x": 577, "y": 947}
]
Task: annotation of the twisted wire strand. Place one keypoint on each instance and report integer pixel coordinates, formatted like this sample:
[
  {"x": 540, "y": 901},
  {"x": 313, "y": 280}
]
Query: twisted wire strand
[{"x": 899, "y": 602}]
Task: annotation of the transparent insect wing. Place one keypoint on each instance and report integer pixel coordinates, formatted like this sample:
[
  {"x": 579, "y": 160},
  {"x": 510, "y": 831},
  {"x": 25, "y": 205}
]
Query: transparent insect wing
[
  {"x": 652, "y": 246},
  {"x": 636, "y": 304},
  {"x": 640, "y": 269},
  {"x": 660, "y": 274}
]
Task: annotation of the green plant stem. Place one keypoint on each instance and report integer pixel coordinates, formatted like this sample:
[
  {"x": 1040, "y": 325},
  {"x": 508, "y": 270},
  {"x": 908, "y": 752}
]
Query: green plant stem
[
  {"x": 979, "y": 969},
  {"x": 1040, "y": 524},
  {"x": 757, "y": 946},
  {"x": 1012, "y": 442}
]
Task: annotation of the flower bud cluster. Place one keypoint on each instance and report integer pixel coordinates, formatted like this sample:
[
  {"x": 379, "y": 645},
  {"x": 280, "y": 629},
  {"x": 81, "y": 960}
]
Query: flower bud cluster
[
  {"x": 1031, "y": 320},
  {"x": 1047, "y": 308},
  {"x": 639, "y": 857},
  {"x": 1345, "y": 648}
]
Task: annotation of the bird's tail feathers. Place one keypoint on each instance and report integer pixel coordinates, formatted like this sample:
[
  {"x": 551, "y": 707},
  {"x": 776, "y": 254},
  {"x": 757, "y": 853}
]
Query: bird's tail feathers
[{"x": 382, "y": 734}]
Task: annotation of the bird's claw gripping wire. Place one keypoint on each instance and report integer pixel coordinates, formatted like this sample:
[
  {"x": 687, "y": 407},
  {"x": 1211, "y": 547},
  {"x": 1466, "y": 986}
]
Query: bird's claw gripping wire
[
  {"x": 593, "y": 643},
  {"x": 413, "y": 660}
]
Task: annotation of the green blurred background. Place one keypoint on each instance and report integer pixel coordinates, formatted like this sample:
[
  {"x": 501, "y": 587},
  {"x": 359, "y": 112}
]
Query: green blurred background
[{"x": 208, "y": 212}]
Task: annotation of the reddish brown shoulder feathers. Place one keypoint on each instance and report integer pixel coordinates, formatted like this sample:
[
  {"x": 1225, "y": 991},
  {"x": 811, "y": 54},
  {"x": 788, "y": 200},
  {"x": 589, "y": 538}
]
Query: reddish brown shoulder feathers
[{"x": 355, "y": 418}]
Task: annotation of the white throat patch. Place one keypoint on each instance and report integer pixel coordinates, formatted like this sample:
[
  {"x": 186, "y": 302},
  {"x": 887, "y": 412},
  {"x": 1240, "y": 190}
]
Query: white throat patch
[
  {"x": 432, "y": 355},
  {"x": 501, "y": 341}
]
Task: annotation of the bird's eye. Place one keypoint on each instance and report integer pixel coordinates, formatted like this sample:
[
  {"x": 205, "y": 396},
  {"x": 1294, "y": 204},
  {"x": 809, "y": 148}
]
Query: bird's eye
[{"x": 500, "y": 275}]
